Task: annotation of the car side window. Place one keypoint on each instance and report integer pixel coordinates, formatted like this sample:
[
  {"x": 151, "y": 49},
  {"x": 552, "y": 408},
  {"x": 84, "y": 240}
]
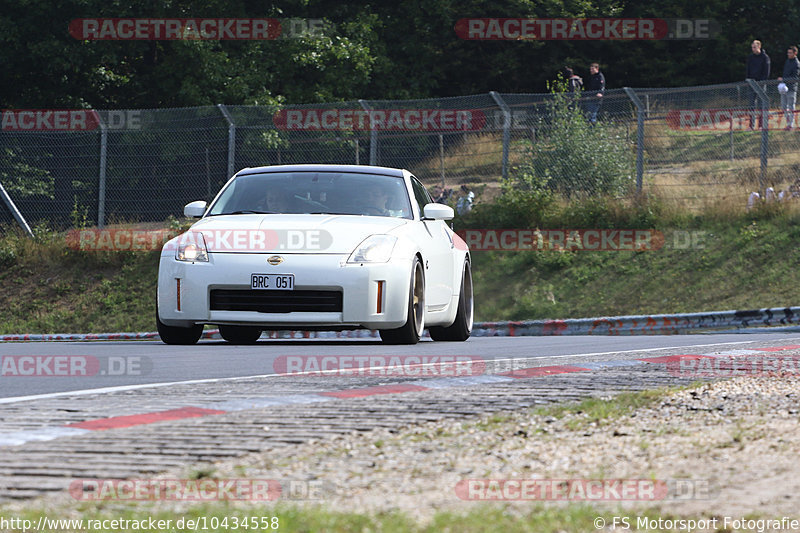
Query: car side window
[{"x": 420, "y": 194}]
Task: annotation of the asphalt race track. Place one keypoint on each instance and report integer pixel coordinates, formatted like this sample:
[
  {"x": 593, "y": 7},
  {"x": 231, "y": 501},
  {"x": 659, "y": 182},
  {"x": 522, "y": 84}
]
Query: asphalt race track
[
  {"x": 214, "y": 359},
  {"x": 125, "y": 410}
]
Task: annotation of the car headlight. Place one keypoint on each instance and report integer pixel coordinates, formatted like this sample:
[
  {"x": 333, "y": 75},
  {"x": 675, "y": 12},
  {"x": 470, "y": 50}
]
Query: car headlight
[
  {"x": 191, "y": 247},
  {"x": 373, "y": 249}
]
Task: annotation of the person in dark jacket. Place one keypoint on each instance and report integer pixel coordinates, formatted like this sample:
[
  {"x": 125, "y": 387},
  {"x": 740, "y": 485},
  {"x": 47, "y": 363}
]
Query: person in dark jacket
[
  {"x": 595, "y": 88},
  {"x": 791, "y": 72},
  {"x": 758, "y": 67}
]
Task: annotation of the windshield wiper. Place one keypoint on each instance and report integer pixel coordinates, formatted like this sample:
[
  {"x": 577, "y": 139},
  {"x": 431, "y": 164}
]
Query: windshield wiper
[{"x": 249, "y": 212}]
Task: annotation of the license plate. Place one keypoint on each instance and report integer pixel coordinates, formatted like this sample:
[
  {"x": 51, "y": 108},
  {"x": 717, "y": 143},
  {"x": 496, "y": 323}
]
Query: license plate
[{"x": 280, "y": 282}]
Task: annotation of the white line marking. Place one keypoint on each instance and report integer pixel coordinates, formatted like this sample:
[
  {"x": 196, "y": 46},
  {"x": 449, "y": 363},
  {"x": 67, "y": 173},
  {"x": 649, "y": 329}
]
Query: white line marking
[
  {"x": 737, "y": 353},
  {"x": 269, "y": 401},
  {"x": 45, "y": 433},
  {"x": 597, "y": 365},
  {"x": 449, "y": 383}
]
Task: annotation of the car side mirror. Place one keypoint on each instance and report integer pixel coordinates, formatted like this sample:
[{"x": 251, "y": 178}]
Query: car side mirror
[
  {"x": 194, "y": 209},
  {"x": 438, "y": 212}
]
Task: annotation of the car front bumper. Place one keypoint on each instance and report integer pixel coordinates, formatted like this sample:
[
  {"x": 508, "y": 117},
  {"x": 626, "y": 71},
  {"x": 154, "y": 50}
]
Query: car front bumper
[{"x": 358, "y": 283}]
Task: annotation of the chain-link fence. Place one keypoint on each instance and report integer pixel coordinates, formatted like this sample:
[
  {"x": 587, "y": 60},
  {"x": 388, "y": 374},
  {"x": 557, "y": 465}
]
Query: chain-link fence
[{"x": 695, "y": 145}]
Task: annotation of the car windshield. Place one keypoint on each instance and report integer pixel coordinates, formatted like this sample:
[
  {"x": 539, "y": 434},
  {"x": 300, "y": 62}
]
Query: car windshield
[{"x": 336, "y": 193}]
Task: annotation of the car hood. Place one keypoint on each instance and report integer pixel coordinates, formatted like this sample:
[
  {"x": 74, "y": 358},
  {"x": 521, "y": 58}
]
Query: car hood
[{"x": 327, "y": 234}]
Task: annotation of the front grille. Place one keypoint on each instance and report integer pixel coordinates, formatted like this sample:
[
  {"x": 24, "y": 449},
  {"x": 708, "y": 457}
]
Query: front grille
[{"x": 266, "y": 301}]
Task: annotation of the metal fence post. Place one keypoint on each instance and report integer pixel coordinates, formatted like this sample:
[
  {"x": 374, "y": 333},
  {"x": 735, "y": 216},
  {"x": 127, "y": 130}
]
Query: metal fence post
[
  {"x": 441, "y": 157},
  {"x": 506, "y": 128},
  {"x": 640, "y": 111},
  {"x": 101, "y": 193},
  {"x": 764, "y": 101},
  {"x": 730, "y": 128},
  {"x": 373, "y": 134},
  {"x": 231, "y": 138},
  {"x": 14, "y": 211}
]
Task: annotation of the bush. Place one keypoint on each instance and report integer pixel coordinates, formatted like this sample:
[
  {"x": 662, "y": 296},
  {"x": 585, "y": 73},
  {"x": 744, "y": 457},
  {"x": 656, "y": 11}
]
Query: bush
[
  {"x": 606, "y": 212},
  {"x": 523, "y": 203},
  {"x": 7, "y": 256},
  {"x": 573, "y": 157}
]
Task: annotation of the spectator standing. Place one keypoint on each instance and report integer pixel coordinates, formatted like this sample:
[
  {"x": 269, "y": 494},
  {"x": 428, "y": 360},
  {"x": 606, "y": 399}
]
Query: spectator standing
[
  {"x": 758, "y": 67},
  {"x": 791, "y": 71},
  {"x": 753, "y": 200},
  {"x": 440, "y": 195},
  {"x": 464, "y": 204},
  {"x": 574, "y": 82},
  {"x": 595, "y": 88}
]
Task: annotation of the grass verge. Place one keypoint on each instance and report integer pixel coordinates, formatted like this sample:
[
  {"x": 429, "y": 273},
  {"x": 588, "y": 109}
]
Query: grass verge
[
  {"x": 743, "y": 262},
  {"x": 480, "y": 519},
  {"x": 726, "y": 259},
  {"x": 50, "y": 288}
]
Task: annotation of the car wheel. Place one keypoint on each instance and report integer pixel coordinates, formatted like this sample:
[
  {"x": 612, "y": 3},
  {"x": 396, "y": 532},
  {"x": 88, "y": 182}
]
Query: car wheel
[
  {"x": 461, "y": 329},
  {"x": 415, "y": 321},
  {"x": 240, "y": 334},
  {"x": 176, "y": 334}
]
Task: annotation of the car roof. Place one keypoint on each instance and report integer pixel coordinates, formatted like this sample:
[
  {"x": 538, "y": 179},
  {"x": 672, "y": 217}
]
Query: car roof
[{"x": 355, "y": 169}]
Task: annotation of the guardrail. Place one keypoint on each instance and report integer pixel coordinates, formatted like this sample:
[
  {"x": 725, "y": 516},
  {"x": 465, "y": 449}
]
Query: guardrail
[
  {"x": 618, "y": 325},
  {"x": 641, "y": 324}
]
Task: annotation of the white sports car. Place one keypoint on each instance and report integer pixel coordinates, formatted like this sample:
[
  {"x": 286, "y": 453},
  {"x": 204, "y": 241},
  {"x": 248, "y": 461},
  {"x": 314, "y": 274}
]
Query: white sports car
[{"x": 317, "y": 247}]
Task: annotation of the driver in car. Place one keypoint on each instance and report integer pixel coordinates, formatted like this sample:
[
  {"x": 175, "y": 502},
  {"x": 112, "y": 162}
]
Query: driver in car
[
  {"x": 375, "y": 198},
  {"x": 276, "y": 201}
]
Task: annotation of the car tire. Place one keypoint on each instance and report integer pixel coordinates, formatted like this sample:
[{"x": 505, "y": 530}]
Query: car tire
[
  {"x": 461, "y": 328},
  {"x": 240, "y": 334},
  {"x": 411, "y": 331},
  {"x": 177, "y": 335}
]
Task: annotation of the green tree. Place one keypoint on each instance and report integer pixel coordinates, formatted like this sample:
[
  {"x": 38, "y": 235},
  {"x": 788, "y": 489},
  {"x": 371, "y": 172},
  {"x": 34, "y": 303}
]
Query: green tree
[
  {"x": 45, "y": 67},
  {"x": 382, "y": 49}
]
